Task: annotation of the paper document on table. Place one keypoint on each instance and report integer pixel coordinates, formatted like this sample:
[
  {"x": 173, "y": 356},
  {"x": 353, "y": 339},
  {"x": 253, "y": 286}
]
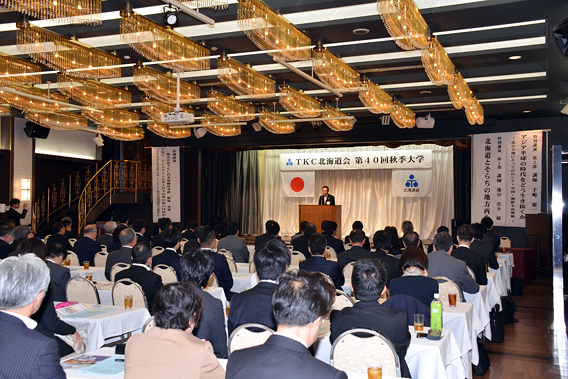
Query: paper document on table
[
  {"x": 82, "y": 361},
  {"x": 113, "y": 366},
  {"x": 79, "y": 307}
]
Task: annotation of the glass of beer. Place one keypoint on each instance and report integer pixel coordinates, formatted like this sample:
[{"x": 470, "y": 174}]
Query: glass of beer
[
  {"x": 89, "y": 276},
  {"x": 418, "y": 322},
  {"x": 67, "y": 262},
  {"x": 127, "y": 301},
  {"x": 86, "y": 265},
  {"x": 375, "y": 371},
  {"x": 228, "y": 309},
  {"x": 452, "y": 297}
]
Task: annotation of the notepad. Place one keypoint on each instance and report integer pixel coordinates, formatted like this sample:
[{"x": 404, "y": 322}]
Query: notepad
[{"x": 113, "y": 366}]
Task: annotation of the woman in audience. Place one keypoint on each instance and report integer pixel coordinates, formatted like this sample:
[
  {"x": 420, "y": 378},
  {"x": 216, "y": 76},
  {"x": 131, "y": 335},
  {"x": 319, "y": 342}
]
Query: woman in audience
[
  {"x": 170, "y": 350},
  {"x": 414, "y": 280}
]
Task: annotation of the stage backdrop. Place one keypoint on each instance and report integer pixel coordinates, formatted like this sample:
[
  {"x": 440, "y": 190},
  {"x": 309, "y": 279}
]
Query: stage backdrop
[{"x": 365, "y": 194}]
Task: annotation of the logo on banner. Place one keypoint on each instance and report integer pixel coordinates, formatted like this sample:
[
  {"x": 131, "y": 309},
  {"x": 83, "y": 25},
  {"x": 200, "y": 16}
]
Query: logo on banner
[
  {"x": 411, "y": 182},
  {"x": 289, "y": 163}
]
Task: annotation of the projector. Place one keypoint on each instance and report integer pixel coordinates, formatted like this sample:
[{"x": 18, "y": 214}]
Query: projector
[
  {"x": 178, "y": 118},
  {"x": 425, "y": 122}
]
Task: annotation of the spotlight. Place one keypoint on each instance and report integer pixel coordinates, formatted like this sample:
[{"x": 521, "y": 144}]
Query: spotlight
[{"x": 171, "y": 16}]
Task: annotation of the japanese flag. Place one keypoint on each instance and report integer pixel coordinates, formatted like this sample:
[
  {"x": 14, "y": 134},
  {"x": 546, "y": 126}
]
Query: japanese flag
[{"x": 298, "y": 184}]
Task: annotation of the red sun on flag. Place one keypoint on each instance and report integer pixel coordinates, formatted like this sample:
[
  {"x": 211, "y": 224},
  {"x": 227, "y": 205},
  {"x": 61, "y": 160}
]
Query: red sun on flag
[{"x": 297, "y": 184}]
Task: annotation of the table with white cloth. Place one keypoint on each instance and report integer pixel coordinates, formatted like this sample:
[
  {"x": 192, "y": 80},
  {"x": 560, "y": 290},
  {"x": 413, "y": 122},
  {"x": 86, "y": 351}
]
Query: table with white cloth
[
  {"x": 243, "y": 268},
  {"x": 98, "y": 272},
  {"x": 106, "y": 321},
  {"x": 509, "y": 262},
  {"x": 481, "y": 306},
  {"x": 502, "y": 282},
  {"x": 218, "y": 293},
  {"x": 243, "y": 281},
  {"x": 105, "y": 292}
]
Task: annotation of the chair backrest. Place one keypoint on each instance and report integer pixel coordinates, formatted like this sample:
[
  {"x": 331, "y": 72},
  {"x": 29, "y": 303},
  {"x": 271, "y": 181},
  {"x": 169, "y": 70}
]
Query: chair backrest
[
  {"x": 232, "y": 264},
  {"x": 104, "y": 248},
  {"x": 73, "y": 258},
  {"x": 347, "y": 246},
  {"x": 331, "y": 253},
  {"x": 167, "y": 273},
  {"x": 505, "y": 242},
  {"x": 46, "y": 238},
  {"x": 213, "y": 282},
  {"x": 149, "y": 324},
  {"x": 118, "y": 267},
  {"x": 100, "y": 259},
  {"x": 157, "y": 250},
  {"x": 242, "y": 337},
  {"x": 226, "y": 253},
  {"x": 342, "y": 300},
  {"x": 82, "y": 290},
  {"x": 447, "y": 286},
  {"x": 72, "y": 241},
  {"x": 182, "y": 243},
  {"x": 251, "y": 250},
  {"x": 296, "y": 258},
  {"x": 125, "y": 287},
  {"x": 471, "y": 272},
  {"x": 252, "y": 267},
  {"x": 351, "y": 353},
  {"x": 348, "y": 271}
]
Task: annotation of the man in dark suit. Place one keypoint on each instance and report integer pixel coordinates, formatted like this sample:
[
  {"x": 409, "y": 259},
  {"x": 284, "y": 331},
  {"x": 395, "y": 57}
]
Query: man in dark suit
[
  {"x": 481, "y": 248},
  {"x": 301, "y": 243},
  {"x": 140, "y": 272},
  {"x": 197, "y": 267},
  {"x": 383, "y": 244},
  {"x": 440, "y": 229},
  {"x": 408, "y": 227},
  {"x": 67, "y": 223},
  {"x": 206, "y": 239},
  {"x": 107, "y": 238},
  {"x": 359, "y": 225},
  {"x": 59, "y": 274},
  {"x": 25, "y": 353},
  {"x": 58, "y": 236},
  {"x": 272, "y": 230},
  {"x": 300, "y": 302},
  {"x": 317, "y": 262},
  {"x": 490, "y": 238},
  {"x": 326, "y": 198},
  {"x": 368, "y": 284},
  {"x": 163, "y": 223},
  {"x": 170, "y": 255},
  {"x": 7, "y": 244},
  {"x": 357, "y": 238},
  {"x": 473, "y": 260},
  {"x": 139, "y": 226},
  {"x": 330, "y": 228},
  {"x": 254, "y": 305},
  {"x": 86, "y": 247},
  {"x": 235, "y": 244},
  {"x": 124, "y": 255},
  {"x": 441, "y": 263},
  {"x": 13, "y": 214}
]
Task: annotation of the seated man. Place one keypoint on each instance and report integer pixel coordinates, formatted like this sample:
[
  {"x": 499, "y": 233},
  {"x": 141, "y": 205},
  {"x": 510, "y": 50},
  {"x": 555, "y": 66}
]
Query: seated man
[
  {"x": 206, "y": 239},
  {"x": 24, "y": 353},
  {"x": 357, "y": 238},
  {"x": 368, "y": 284},
  {"x": 139, "y": 226},
  {"x": 272, "y": 230},
  {"x": 58, "y": 236},
  {"x": 490, "y": 237},
  {"x": 164, "y": 223},
  {"x": 59, "y": 274},
  {"x": 317, "y": 245},
  {"x": 483, "y": 249},
  {"x": 301, "y": 243},
  {"x": 359, "y": 225},
  {"x": 139, "y": 272},
  {"x": 300, "y": 233},
  {"x": 86, "y": 247},
  {"x": 408, "y": 227},
  {"x": 472, "y": 259},
  {"x": 235, "y": 244},
  {"x": 67, "y": 223},
  {"x": 440, "y": 229},
  {"x": 171, "y": 239},
  {"x": 7, "y": 244},
  {"x": 128, "y": 239},
  {"x": 106, "y": 239},
  {"x": 197, "y": 268},
  {"x": 383, "y": 244},
  {"x": 330, "y": 229},
  {"x": 254, "y": 305},
  {"x": 300, "y": 302}
]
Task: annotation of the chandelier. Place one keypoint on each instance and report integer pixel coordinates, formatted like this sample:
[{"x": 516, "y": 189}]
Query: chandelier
[
  {"x": 243, "y": 79},
  {"x": 229, "y": 107},
  {"x": 404, "y": 23},
  {"x": 164, "y": 87},
  {"x": 218, "y": 129},
  {"x": 69, "y": 56},
  {"x": 216, "y": 5},
  {"x": 474, "y": 111},
  {"x": 283, "y": 126},
  {"x": 35, "y": 103},
  {"x": 298, "y": 103},
  {"x": 334, "y": 72},
  {"x": 341, "y": 125},
  {"x": 59, "y": 121},
  {"x": 92, "y": 92},
  {"x": 18, "y": 71},
  {"x": 402, "y": 116},
  {"x": 166, "y": 131},
  {"x": 374, "y": 98},
  {"x": 122, "y": 134},
  {"x": 271, "y": 32},
  {"x": 437, "y": 64},
  {"x": 459, "y": 92},
  {"x": 5, "y": 110},
  {"x": 64, "y": 11},
  {"x": 113, "y": 118},
  {"x": 161, "y": 44}
]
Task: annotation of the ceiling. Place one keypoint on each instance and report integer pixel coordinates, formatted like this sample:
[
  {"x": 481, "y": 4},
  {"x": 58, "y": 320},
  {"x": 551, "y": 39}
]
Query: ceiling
[{"x": 480, "y": 36}]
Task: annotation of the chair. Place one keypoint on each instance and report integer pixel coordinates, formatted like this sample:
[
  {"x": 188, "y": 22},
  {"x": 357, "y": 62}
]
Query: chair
[
  {"x": 226, "y": 253},
  {"x": 242, "y": 337},
  {"x": 505, "y": 242},
  {"x": 471, "y": 273},
  {"x": 118, "y": 267},
  {"x": 447, "y": 286},
  {"x": 157, "y": 250},
  {"x": 82, "y": 290},
  {"x": 411, "y": 305},
  {"x": 213, "y": 282},
  {"x": 250, "y": 248},
  {"x": 297, "y": 257},
  {"x": 167, "y": 273},
  {"x": 182, "y": 243},
  {"x": 149, "y": 324},
  {"x": 252, "y": 267},
  {"x": 351, "y": 353},
  {"x": 331, "y": 253},
  {"x": 347, "y": 246},
  {"x": 127, "y": 287},
  {"x": 232, "y": 264},
  {"x": 100, "y": 259},
  {"x": 342, "y": 300},
  {"x": 72, "y": 241},
  {"x": 104, "y": 248},
  {"x": 46, "y": 238},
  {"x": 348, "y": 271},
  {"x": 73, "y": 258}
]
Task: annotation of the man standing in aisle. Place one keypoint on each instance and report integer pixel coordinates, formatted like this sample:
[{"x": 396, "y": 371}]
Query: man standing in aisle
[
  {"x": 326, "y": 198},
  {"x": 13, "y": 214}
]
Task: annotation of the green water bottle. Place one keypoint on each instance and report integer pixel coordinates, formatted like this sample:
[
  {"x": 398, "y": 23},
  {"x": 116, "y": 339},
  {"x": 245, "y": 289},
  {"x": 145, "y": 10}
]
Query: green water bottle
[{"x": 436, "y": 313}]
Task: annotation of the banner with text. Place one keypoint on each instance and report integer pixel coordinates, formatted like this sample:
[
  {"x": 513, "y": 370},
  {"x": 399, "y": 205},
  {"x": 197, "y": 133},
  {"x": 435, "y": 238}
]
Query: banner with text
[
  {"x": 411, "y": 183},
  {"x": 358, "y": 160},
  {"x": 166, "y": 183},
  {"x": 506, "y": 177}
]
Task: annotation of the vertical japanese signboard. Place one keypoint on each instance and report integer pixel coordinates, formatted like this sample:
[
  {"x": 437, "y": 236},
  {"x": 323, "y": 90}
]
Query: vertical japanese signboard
[
  {"x": 166, "y": 183},
  {"x": 506, "y": 177}
]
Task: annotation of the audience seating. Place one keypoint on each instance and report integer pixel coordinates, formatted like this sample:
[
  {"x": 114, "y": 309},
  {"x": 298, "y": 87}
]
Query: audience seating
[
  {"x": 104, "y": 248},
  {"x": 167, "y": 273},
  {"x": 149, "y": 324},
  {"x": 127, "y": 287},
  {"x": 331, "y": 252},
  {"x": 117, "y": 268},
  {"x": 157, "y": 250},
  {"x": 446, "y": 287},
  {"x": 342, "y": 300},
  {"x": 471, "y": 273},
  {"x": 348, "y": 271},
  {"x": 213, "y": 282},
  {"x": 296, "y": 258},
  {"x": 72, "y": 241},
  {"x": 252, "y": 267},
  {"x": 73, "y": 258},
  {"x": 100, "y": 259},
  {"x": 82, "y": 290},
  {"x": 243, "y": 338}
]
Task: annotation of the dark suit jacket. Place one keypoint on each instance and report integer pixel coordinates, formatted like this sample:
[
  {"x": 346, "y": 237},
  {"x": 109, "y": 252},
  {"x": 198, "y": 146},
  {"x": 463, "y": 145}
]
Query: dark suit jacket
[
  {"x": 223, "y": 273},
  {"x": 366, "y": 244},
  {"x": 158, "y": 241},
  {"x": 320, "y": 264},
  {"x": 330, "y": 199},
  {"x": 149, "y": 281},
  {"x": 106, "y": 240},
  {"x": 141, "y": 238},
  {"x": 26, "y": 354},
  {"x": 492, "y": 237},
  {"x": 124, "y": 255},
  {"x": 301, "y": 244},
  {"x": 262, "y": 240},
  {"x": 6, "y": 249},
  {"x": 86, "y": 249},
  {"x": 389, "y": 322},
  {"x": 279, "y": 358},
  {"x": 58, "y": 238},
  {"x": 15, "y": 216},
  {"x": 392, "y": 265},
  {"x": 441, "y": 263},
  {"x": 252, "y": 306},
  {"x": 473, "y": 261},
  {"x": 351, "y": 255},
  {"x": 237, "y": 246},
  {"x": 486, "y": 251},
  {"x": 167, "y": 257},
  {"x": 336, "y": 243},
  {"x": 420, "y": 287},
  {"x": 59, "y": 276},
  {"x": 211, "y": 325}
]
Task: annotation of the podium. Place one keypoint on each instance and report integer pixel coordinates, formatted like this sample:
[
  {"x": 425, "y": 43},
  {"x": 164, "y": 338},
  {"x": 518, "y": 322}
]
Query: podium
[{"x": 318, "y": 213}]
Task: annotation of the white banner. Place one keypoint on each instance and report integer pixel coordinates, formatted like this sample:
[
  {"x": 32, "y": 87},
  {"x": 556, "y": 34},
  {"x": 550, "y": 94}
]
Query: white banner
[
  {"x": 298, "y": 184},
  {"x": 506, "y": 177},
  {"x": 358, "y": 160},
  {"x": 165, "y": 183},
  {"x": 411, "y": 183}
]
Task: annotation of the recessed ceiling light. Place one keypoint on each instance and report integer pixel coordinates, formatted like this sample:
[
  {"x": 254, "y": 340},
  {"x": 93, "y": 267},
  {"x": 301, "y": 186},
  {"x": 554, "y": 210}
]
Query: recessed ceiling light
[
  {"x": 127, "y": 57},
  {"x": 213, "y": 48},
  {"x": 526, "y": 111},
  {"x": 425, "y": 92},
  {"x": 515, "y": 57},
  {"x": 361, "y": 31}
]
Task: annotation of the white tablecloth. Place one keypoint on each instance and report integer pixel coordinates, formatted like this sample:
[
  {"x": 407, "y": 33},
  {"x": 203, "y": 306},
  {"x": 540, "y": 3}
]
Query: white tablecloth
[
  {"x": 98, "y": 272},
  {"x": 242, "y": 282},
  {"x": 243, "y": 268},
  {"x": 218, "y": 293},
  {"x": 502, "y": 283},
  {"x": 480, "y": 306},
  {"x": 509, "y": 262},
  {"x": 105, "y": 292}
]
